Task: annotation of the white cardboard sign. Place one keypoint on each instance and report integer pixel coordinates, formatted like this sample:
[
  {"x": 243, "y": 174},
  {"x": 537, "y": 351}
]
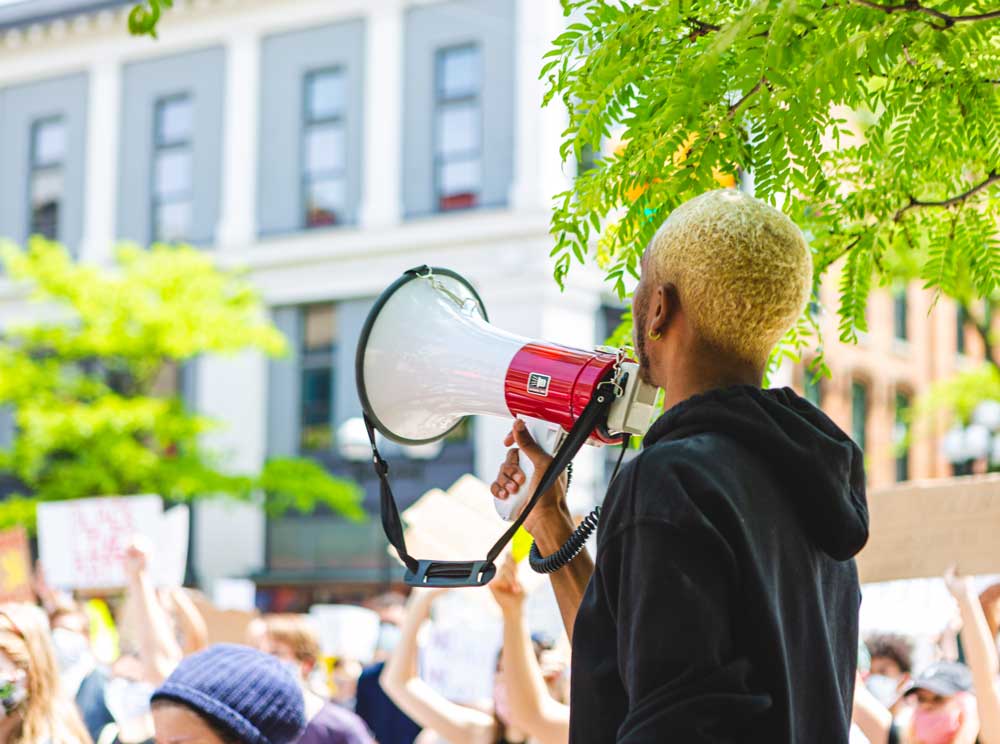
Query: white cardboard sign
[
  {"x": 346, "y": 631},
  {"x": 82, "y": 542}
]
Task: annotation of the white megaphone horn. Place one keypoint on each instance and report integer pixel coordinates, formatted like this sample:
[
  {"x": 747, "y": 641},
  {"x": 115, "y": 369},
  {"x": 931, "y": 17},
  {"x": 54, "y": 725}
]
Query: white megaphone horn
[{"x": 428, "y": 357}]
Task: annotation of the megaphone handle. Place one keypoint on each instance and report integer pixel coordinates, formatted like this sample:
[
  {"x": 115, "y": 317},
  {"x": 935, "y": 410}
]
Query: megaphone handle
[{"x": 509, "y": 508}]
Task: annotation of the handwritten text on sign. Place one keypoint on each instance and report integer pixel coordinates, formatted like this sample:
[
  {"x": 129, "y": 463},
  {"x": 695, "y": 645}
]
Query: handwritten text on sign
[{"x": 82, "y": 543}]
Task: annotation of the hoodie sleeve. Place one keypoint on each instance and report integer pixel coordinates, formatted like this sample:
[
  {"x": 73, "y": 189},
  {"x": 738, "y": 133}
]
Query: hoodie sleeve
[{"x": 671, "y": 592}]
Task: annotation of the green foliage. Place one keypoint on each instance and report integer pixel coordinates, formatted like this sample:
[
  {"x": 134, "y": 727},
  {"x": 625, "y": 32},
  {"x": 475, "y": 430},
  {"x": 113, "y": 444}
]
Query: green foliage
[
  {"x": 145, "y": 16},
  {"x": 958, "y": 396},
  {"x": 93, "y": 384},
  {"x": 876, "y": 127}
]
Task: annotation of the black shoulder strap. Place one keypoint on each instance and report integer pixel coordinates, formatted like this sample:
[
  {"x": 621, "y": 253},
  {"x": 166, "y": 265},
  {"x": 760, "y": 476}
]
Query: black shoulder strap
[{"x": 422, "y": 572}]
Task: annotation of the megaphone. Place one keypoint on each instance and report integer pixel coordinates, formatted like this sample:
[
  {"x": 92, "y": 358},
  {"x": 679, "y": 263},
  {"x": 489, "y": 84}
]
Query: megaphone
[{"x": 428, "y": 357}]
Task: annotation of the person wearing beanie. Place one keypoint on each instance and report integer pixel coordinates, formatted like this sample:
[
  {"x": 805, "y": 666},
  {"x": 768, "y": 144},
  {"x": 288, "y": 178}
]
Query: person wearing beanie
[
  {"x": 723, "y": 605},
  {"x": 229, "y": 694}
]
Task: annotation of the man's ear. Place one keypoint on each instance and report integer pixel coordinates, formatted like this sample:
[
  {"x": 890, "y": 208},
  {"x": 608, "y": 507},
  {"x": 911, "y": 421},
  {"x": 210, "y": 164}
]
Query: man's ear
[{"x": 662, "y": 308}]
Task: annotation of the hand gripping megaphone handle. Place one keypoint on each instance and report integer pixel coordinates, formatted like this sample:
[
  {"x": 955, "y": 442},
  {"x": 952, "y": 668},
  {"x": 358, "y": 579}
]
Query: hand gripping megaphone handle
[{"x": 548, "y": 438}]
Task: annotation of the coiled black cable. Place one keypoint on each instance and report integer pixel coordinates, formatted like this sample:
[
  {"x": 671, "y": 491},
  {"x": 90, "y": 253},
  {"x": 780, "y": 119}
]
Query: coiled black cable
[
  {"x": 570, "y": 549},
  {"x": 576, "y": 542}
]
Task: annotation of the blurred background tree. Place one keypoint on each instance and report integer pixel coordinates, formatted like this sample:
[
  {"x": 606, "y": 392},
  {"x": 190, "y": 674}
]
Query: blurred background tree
[
  {"x": 874, "y": 125},
  {"x": 95, "y": 391}
]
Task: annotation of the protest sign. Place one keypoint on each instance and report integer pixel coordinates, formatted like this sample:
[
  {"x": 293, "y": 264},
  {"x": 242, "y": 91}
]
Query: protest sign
[
  {"x": 234, "y": 594},
  {"x": 169, "y": 562},
  {"x": 346, "y": 631},
  {"x": 459, "y": 655},
  {"x": 82, "y": 542},
  {"x": 15, "y": 567},
  {"x": 918, "y": 529},
  {"x": 469, "y": 504}
]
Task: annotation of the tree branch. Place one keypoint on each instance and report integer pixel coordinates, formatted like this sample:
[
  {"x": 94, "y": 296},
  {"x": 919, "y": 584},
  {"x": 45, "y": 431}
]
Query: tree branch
[
  {"x": 993, "y": 177},
  {"x": 914, "y": 6},
  {"x": 843, "y": 252},
  {"x": 701, "y": 28},
  {"x": 750, "y": 93}
]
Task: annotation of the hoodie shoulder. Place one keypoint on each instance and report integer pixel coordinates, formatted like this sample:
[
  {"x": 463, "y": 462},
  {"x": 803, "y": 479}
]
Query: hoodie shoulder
[{"x": 665, "y": 482}]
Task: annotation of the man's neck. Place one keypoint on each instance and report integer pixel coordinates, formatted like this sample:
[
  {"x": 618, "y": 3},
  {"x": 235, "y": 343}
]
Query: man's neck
[{"x": 694, "y": 379}]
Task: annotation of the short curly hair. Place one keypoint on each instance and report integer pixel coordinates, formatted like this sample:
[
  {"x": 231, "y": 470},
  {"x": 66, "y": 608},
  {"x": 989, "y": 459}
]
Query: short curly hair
[
  {"x": 742, "y": 270},
  {"x": 895, "y": 647}
]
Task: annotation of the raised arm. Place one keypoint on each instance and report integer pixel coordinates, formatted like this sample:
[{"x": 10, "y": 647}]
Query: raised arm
[
  {"x": 550, "y": 523},
  {"x": 981, "y": 655},
  {"x": 873, "y": 718},
  {"x": 415, "y": 697},
  {"x": 532, "y": 708},
  {"x": 191, "y": 622},
  {"x": 158, "y": 648}
]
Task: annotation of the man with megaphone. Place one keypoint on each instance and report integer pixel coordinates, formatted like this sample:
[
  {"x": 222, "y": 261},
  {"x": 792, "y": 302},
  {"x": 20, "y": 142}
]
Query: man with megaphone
[{"x": 723, "y": 605}]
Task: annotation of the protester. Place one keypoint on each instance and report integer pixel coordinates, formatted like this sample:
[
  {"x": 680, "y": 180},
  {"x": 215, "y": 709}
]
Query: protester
[
  {"x": 451, "y": 722},
  {"x": 724, "y": 602},
  {"x": 891, "y": 666},
  {"x": 523, "y": 697},
  {"x": 944, "y": 710},
  {"x": 294, "y": 642},
  {"x": 981, "y": 654},
  {"x": 83, "y": 679},
  {"x": 33, "y": 707},
  {"x": 344, "y": 682},
  {"x": 158, "y": 648},
  {"x": 388, "y": 724},
  {"x": 229, "y": 694},
  {"x": 191, "y": 631},
  {"x": 391, "y": 608}
]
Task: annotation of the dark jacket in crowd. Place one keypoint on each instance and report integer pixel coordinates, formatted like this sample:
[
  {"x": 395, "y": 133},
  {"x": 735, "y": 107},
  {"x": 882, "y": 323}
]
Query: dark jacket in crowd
[
  {"x": 388, "y": 723},
  {"x": 724, "y": 603},
  {"x": 335, "y": 725}
]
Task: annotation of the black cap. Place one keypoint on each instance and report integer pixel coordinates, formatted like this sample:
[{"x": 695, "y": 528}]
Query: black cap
[{"x": 945, "y": 678}]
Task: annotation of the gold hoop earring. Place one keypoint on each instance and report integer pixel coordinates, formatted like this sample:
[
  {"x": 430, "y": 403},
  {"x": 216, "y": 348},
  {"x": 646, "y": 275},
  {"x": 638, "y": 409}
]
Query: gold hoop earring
[{"x": 654, "y": 335}]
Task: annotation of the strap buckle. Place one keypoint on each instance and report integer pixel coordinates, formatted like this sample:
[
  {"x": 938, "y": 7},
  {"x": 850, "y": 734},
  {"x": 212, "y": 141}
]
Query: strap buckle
[{"x": 451, "y": 573}]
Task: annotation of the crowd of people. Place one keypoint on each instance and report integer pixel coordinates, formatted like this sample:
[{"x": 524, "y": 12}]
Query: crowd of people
[
  {"x": 168, "y": 685},
  {"x": 953, "y": 698}
]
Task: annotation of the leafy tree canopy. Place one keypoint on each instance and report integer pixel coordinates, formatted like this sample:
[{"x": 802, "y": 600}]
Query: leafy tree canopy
[
  {"x": 93, "y": 385},
  {"x": 875, "y": 126}
]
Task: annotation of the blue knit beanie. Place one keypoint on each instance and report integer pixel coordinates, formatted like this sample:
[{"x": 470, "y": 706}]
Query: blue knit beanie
[{"x": 244, "y": 691}]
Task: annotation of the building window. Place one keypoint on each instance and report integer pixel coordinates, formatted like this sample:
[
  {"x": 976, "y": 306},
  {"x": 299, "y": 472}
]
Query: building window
[
  {"x": 900, "y": 314},
  {"x": 960, "y": 320},
  {"x": 899, "y": 435},
  {"x": 324, "y": 154},
  {"x": 859, "y": 414},
  {"x": 812, "y": 387},
  {"x": 45, "y": 176},
  {"x": 173, "y": 177},
  {"x": 317, "y": 343},
  {"x": 458, "y": 162}
]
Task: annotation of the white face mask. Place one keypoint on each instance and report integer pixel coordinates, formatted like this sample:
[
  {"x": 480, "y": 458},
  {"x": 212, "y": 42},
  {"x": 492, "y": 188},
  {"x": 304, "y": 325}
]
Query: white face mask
[
  {"x": 885, "y": 689},
  {"x": 128, "y": 700},
  {"x": 71, "y": 648}
]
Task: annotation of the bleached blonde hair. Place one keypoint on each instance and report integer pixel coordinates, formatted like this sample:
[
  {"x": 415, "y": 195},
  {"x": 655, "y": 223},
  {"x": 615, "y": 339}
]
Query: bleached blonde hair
[{"x": 742, "y": 270}]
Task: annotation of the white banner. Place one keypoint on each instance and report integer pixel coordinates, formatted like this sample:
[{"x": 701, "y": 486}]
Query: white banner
[
  {"x": 82, "y": 543},
  {"x": 346, "y": 631}
]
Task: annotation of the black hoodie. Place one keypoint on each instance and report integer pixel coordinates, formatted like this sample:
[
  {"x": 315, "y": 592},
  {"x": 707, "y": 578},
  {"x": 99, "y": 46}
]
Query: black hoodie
[{"x": 724, "y": 601}]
